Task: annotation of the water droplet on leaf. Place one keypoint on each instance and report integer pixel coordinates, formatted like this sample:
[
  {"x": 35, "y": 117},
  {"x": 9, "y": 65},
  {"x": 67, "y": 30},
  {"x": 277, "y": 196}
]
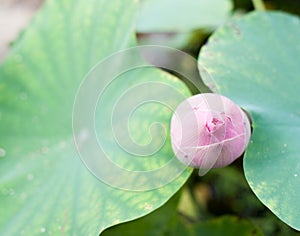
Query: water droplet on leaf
[
  {"x": 23, "y": 96},
  {"x": 44, "y": 150},
  {"x": 2, "y": 152},
  {"x": 30, "y": 177}
]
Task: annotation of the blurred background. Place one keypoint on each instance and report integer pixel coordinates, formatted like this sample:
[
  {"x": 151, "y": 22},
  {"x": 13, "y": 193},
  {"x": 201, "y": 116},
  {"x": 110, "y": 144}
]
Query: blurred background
[{"x": 14, "y": 16}]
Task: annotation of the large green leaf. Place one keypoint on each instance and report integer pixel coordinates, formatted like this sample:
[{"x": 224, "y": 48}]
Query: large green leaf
[
  {"x": 45, "y": 187},
  {"x": 180, "y": 15},
  {"x": 254, "y": 60}
]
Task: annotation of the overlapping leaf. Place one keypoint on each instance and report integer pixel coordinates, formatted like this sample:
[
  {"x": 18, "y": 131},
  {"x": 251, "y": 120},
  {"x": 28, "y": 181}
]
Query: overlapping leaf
[
  {"x": 45, "y": 187},
  {"x": 254, "y": 61},
  {"x": 163, "y": 15}
]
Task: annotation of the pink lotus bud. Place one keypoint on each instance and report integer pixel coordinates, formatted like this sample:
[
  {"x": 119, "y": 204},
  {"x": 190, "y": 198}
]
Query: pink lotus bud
[{"x": 209, "y": 131}]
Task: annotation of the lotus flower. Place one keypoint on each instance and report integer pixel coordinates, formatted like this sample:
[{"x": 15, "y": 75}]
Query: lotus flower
[{"x": 209, "y": 131}]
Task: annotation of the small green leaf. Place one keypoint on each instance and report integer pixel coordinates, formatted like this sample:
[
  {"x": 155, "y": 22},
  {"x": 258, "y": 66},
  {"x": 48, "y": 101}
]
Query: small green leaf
[
  {"x": 159, "y": 222},
  {"x": 254, "y": 61},
  {"x": 45, "y": 187},
  {"x": 226, "y": 226},
  {"x": 181, "y": 16}
]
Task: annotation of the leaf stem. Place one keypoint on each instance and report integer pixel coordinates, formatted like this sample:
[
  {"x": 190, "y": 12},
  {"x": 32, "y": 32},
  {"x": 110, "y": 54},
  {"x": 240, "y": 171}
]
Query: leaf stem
[{"x": 258, "y": 5}]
